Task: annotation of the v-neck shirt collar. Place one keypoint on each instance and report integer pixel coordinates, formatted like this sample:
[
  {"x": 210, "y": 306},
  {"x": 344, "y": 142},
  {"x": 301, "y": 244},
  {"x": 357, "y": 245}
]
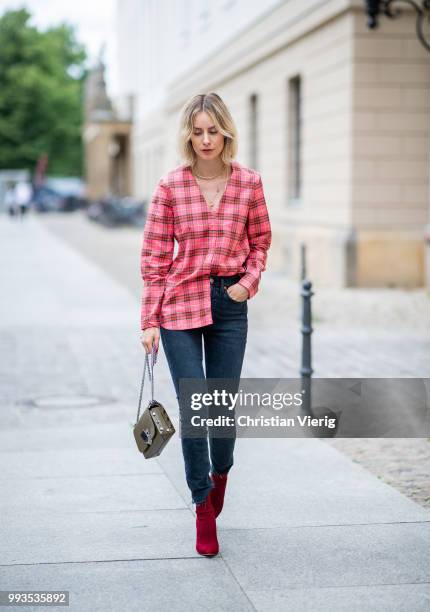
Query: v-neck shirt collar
[{"x": 229, "y": 182}]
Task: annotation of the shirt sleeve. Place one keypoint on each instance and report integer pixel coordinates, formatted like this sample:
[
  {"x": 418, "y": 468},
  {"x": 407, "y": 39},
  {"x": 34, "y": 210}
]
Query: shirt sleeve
[
  {"x": 156, "y": 254},
  {"x": 259, "y": 237}
]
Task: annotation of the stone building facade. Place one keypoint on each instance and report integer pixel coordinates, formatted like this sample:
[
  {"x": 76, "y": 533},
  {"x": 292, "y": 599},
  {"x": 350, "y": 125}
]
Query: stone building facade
[
  {"x": 336, "y": 118},
  {"x": 107, "y": 144}
]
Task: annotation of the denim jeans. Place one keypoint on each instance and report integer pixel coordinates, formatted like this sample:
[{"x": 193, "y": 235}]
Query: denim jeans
[{"x": 224, "y": 349}]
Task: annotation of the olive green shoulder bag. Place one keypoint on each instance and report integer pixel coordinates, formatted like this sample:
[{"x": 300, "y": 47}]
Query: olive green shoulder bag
[{"x": 154, "y": 428}]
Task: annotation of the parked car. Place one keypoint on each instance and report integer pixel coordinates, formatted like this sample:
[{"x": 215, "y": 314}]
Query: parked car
[
  {"x": 114, "y": 211},
  {"x": 60, "y": 194},
  {"x": 46, "y": 200}
]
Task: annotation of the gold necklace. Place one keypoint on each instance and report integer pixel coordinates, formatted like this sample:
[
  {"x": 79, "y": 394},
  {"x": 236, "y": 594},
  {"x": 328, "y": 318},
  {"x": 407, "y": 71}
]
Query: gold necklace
[
  {"x": 209, "y": 178},
  {"x": 212, "y": 202}
]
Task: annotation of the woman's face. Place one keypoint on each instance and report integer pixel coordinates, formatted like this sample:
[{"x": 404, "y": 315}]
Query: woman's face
[{"x": 207, "y": 141}]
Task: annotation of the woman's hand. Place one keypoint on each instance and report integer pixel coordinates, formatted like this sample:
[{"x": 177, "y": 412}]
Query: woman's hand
[
  {"x": 149, "y": 336},
  {"x": 238, "y": 292}
]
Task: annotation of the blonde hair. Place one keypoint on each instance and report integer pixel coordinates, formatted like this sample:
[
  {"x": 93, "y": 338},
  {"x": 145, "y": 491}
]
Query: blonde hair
[{"x": 212, "y": 104}]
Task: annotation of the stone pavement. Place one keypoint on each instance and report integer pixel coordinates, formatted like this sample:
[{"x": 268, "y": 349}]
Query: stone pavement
[{"x": 304, "y": 528}]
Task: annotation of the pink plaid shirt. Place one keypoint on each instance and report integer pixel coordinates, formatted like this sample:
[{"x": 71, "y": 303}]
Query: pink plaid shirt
[{"x": 233, "y": 239}]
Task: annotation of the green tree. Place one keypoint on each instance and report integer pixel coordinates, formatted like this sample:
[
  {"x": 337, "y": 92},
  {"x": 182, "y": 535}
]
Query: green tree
[{"x": 41, "y": 86}]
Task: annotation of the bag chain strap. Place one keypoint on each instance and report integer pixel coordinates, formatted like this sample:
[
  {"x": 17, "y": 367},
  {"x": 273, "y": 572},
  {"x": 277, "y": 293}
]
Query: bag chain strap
[{"x": 151, "y": 377}]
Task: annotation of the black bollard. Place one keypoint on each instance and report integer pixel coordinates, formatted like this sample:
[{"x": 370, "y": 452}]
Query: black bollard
[{"x": 306, "y": 366}]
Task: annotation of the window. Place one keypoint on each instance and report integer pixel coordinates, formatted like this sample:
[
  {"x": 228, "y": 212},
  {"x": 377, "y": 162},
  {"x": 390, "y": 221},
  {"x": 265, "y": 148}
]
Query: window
[
  {"x": 295, "y": 139},
  {"x": 253, "y": 131}
]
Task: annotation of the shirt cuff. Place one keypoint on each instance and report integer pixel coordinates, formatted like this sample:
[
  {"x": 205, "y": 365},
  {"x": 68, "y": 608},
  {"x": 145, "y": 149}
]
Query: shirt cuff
[
  {"x": 249, "y": 283},
  {"x": 149, "y": 323}
]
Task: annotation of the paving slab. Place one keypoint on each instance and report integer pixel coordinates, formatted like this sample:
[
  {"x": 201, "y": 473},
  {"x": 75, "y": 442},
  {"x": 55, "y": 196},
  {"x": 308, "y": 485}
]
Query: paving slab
[
  {"x": 87, "y": 536},
  {"x": 383, "y": 598},
  {"x": 67, "y": 463},
  {"x": 329, "y": 556},
  {"x": 173, "y": 585},
  {"x": 119, "y": 493}
]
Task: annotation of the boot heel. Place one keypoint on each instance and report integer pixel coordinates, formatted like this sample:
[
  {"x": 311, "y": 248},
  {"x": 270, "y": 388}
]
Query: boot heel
[{"x": 206, "y": 536}]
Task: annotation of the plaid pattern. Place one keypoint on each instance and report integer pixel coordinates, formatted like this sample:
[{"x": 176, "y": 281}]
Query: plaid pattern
[{"x": 233, "y": 239}]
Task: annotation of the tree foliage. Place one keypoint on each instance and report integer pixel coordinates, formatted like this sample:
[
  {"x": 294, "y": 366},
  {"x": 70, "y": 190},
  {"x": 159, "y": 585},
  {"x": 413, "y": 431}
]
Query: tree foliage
[{"x": 41, "y": 85}]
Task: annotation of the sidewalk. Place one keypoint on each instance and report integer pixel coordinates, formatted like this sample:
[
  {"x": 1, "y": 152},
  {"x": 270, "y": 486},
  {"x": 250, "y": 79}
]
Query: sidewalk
[{"x": 83, "y": 511}]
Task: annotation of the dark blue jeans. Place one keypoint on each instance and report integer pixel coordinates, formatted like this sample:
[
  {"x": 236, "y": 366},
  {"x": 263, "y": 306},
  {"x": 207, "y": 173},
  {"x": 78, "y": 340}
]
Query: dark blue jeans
[{"x": 224, "y": 348}]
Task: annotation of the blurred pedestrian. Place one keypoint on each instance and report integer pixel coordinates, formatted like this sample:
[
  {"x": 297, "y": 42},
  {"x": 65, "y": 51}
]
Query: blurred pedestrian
[
  {"x": 215, "y": 208},
  {"x": 23, "y": 194},
  {"x": 9, "y": 200}
]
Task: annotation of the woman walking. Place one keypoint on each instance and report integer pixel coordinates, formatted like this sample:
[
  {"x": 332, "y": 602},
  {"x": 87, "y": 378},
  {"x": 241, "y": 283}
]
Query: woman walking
[{"x": 215, "y": 209}]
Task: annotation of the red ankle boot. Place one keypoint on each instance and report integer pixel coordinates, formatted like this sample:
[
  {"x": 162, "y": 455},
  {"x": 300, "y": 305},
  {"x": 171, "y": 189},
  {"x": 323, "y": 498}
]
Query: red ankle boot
[
  {"x": 207, "y": 542},
  {"x": 218, "y": 492}
]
